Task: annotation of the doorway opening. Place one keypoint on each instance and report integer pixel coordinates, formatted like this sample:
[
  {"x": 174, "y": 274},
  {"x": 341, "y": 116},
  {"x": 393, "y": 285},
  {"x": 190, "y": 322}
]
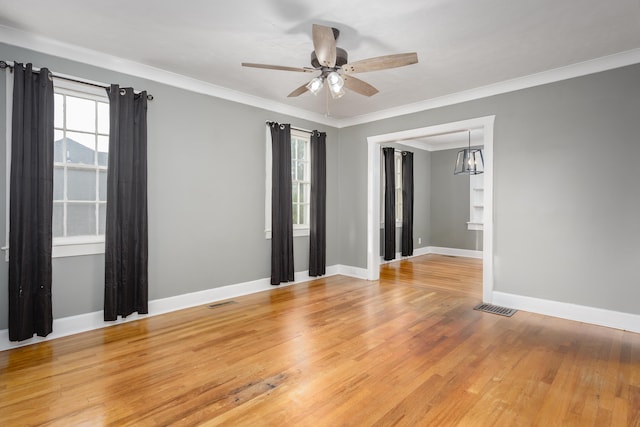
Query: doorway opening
[{"x": 417, "y": 136}]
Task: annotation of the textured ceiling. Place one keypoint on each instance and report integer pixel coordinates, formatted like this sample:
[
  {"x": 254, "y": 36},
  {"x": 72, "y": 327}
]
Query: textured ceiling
[{"x": 461, "y": 44}]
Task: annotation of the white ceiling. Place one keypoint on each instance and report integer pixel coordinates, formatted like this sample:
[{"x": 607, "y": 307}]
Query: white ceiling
[{"x": 461, "y": 44}]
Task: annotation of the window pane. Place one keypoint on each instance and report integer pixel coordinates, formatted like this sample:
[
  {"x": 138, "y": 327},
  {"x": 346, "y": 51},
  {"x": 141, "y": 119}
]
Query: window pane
[
  {"x": 102, "y": 218},
  {"x": 80, "y": 148},
  {"x": 103, "y": 150},
  {"x": 295, "y": 213},
  {"x": 81, "y": 114},
  {"x": 103, "y": 117},
  {"x": 58, "y": 146},
  {"x": 102, "y": 185},
  {"x": 301, "y": 150},
  {"x": 300, "y": 168},
  {"x": 58, "y": 111},
  {"x": 81, "y": 219},
  {"x": 304, "y": 214},
  {"x": 293, "y": 149},
  {"x": 58, "y": 184},
  {"x": 304, "y": 193},
  {"x": 81, "y": 185},
  {"x": 294, "y": 192},
  {"x": 307, "y": 171},
  {"x": 58, "y": 218}
]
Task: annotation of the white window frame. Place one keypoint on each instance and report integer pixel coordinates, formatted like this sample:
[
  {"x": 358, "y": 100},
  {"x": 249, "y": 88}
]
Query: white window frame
[
  {"x": 79, "y": 245},
  {"x": 298, "y": 229}
]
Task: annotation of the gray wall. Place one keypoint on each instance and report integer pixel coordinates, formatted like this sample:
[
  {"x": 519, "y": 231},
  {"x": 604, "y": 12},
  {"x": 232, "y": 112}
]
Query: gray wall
[
  {"x": 566, "y": 197},
  {"x": 450, "y": 205},
  {"x": 206, "y": 167}
]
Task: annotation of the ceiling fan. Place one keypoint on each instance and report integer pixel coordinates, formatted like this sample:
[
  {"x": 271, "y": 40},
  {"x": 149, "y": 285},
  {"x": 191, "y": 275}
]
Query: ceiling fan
[{"x": 335, "y": 70}]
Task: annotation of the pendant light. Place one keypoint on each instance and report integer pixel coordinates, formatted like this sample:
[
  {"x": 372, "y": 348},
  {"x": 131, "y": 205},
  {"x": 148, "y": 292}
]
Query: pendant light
[{"x": 469, "y": 161}]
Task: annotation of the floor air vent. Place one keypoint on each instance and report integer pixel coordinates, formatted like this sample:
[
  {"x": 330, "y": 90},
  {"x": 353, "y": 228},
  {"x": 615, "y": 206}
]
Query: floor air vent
[
  {"x": 220, "y": 304},
  {"x": 495, "y": 309}
]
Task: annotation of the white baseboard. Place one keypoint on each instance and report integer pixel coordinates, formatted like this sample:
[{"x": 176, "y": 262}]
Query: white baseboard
[
  {"x": 467, "y": 253},
  {"x": 89, "y": 321},
  {"x": 580, "y": 313},
  {"x": 356, "y": 272},
  {"x": 426, "y": 250},
  {"x": 399, "y": 256}
]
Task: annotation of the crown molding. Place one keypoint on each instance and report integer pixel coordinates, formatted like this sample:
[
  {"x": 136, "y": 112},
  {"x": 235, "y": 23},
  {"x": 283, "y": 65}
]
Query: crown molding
[
  {"x": 48, "y": 46},
  {"x": 592, "y": 66},
  {"x": 75, "y": 53}
]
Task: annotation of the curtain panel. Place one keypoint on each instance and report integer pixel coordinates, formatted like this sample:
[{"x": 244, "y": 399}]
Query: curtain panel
[
  {"x": 126, "y": 243},
  {"x": 407, "y": 203},
  {"x": 317, "y": 220},
  {"x": 389, "y": 203},
  {"x": 281, "y": 209},
  {"x": 31, "y": 204}
]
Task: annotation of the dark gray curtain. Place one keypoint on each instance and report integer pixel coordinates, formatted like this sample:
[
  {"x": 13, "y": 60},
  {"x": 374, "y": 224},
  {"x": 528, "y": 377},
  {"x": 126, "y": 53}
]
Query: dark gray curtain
[
  {"x": 126, "y": 245},
  {"x": 407, "y": 203},
  {"x": 317, "y": 231},
  {"x": 31, "y": 204},
  {"x": 281, "y": 215},
  {"x": 389, "y": 204}
]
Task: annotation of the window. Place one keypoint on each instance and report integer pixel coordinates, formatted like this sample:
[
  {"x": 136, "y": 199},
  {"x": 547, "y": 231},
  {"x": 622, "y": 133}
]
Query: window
[
  {"x": 81, "y": 146},
  {"x": 397, "y": 158},
  {"x": 300, "y": 182},
  {"x": 398, "y": 171},
  {"x": 300, "y": 178}
]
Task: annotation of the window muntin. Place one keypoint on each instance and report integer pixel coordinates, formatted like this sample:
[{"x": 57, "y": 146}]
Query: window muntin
[{"x": 81, "y": 141}]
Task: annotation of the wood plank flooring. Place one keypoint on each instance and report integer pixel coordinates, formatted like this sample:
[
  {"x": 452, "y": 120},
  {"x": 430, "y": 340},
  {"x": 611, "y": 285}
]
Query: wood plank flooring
[{"x": 406, "y": 350}]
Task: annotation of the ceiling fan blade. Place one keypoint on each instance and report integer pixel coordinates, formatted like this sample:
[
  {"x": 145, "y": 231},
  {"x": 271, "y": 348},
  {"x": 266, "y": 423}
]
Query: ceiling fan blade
[
  {"x": 279, "y": 67},
  {"x": 299, "y": 91},
  {"x": 381, "y": 63},
  {"x": 359, "y": 86},
  {"x": 324, "y": 44}
]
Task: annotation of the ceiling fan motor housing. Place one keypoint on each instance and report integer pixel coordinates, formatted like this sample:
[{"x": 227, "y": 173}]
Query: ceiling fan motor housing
[{"x": 341, "y": 58}]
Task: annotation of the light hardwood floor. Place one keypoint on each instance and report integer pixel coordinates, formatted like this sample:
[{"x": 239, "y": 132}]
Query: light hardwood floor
[{"x": 407, "y": 350}]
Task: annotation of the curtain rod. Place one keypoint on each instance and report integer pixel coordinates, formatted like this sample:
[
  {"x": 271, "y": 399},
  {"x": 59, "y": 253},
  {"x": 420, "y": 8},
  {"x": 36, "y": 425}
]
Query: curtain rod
[
  {"x": 292, "y": 127},
  {"x": 5, "y": 64}
]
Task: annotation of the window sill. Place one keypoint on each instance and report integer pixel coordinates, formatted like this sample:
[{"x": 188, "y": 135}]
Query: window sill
[
  {"x": 62, "y": 250},
  {"x": 297, "y": 232}
]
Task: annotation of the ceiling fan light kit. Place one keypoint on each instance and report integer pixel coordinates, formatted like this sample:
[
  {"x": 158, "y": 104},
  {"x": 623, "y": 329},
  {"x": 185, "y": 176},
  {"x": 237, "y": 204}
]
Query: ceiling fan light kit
[{"x": 332, "y": 62}]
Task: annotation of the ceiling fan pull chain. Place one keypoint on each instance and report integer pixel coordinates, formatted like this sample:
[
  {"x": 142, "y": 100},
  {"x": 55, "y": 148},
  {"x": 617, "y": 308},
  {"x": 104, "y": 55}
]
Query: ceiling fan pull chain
[{"x": 326, "y": 100}]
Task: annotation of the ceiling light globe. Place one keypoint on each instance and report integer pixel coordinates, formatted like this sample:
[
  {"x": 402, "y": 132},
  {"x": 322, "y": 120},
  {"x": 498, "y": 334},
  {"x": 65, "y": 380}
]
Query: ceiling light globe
[
  {"x": 336, "y": 92},
  {"x": 335, "y": 79},
  {"x": 315, "y": 85}
]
